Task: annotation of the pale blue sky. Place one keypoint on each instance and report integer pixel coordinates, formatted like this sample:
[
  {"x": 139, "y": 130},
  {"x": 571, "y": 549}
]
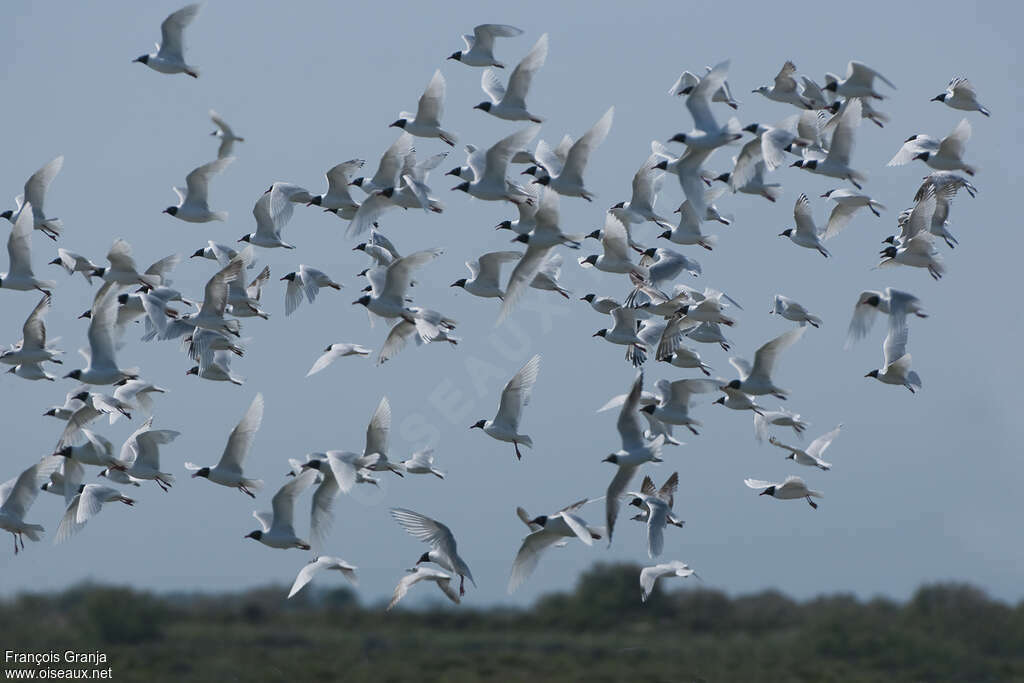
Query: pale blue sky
[{"x": 924, "y": 487}]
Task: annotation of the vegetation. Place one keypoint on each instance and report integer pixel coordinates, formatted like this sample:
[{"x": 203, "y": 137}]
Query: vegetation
[{"x": 599, "y": 632}]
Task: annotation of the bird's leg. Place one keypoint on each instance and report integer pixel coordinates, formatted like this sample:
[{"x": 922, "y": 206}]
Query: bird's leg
[
  {"x": 811, "y": 502},
  {"x": 15, "y": 542},
  {"x": 874, "y": 211},
  {"x": 160, "y": 483},
  {"x": 515, "y": 445},
  {"x": 695, "y": 432},
  {"x": 462, "y": 585},
  {"x": 243, "y": 489}
]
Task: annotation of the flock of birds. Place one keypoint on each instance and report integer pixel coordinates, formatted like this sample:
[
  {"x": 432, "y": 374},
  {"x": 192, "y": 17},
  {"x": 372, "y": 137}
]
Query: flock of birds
[{"x": 657, "y": 316}]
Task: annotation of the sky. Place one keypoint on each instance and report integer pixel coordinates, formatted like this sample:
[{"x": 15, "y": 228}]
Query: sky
[{"x": 924, "y": 488}]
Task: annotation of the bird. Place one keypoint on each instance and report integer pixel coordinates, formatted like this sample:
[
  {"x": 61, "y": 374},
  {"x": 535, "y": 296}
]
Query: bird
[
  {"x": 426, "y": 122},
  {"x": 615, "y": 242},
  {"x": 278, "y": 527},
  {"x": 317, "y": 564},
  {"x": 123, "y": 271},
  {"x": 566, "y": 178},
  {"x": 914, "y": 246},
  {"x": 484, "y": 274},
  {"x": 601, "y": 304},
  {"x": 389, "y": 169},
  {"x": 649, "y": 575},
  {"x": 169, "y": 57},
  {"x": 658, "y": 506},
  {"x": 552, "y": 529},
  {"x": 194, "y": 199},
  {"x": 226, "y": 135},
  {"x": 790, "y": 489},
  {"x": 547, "y": 278},
  {"x": 666, "y": 492},
  {"x": 896, "y": 361},
  {"x": 272, "y": 212},
  {"x": 635, "y": 451},
  {"x": 859, "y": 82},
  {"x": 707, "y": 134},
  {"x": 228, "y": 470},
  {"x": 756, "y": 379},
  {"x": 480, "y": 46},
  {"x": 215, "y": 365},
  {"x": 308, "y": 281},
  {"x": 673, "y": 406},
  {"x": 134, "y": 394},
  {"x": 806, "y": 233},
  {"x": 32, "y": 199},
  {"x": 86, "y": 406},
  {"x": 19, "y": 277},
  {"x": 215, "y": 301},
  {"x": 444, "y": 550},
  {"x": 791, "y": 310},
  {"x": 848, "y": 203},
  {"x": 785, "y": 88},
  {"x": 489, "y": 181},
  {"x": 74, "y": 263},
  {"x": 403, "y": 331},
  {"x": 375, "y": 452},
  {"x": 646, "y": 186},
  {"x": 141, "y": 454},
  {"x": 778, "y": 418},
  {"x": 336, "y": 351},
  {"x": 892, "y": 302},
  {"x": 422, "y": 462},
  {"x": 685, "y": 357},
  {"x": 32, "y": 347},
  {"x": 688, "y": 231},
  {"x": 86, "y": 504},
  {"x": 960, "y": 94},
  {"x": 942, "y": 155},
  {"x": 338, "y": 198},
  {"x": 812, "y": 454},
  {"x": 514, "y": 397},
  {"x": 17, "y": 496},
  {"x": 102, "y": 367},
  {"x": 414, "y": 576},
  {"x": 836, "y": 164},
  {"x": 510, "y": 103}
]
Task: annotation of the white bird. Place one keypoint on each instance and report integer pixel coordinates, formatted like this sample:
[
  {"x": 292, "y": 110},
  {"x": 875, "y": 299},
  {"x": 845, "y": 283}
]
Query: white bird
[
  {"x": 791, "y": 310},
  {"x": 215, "y": 301},
  {"x": 688, "y": 231},
  {"x": 709, "y": 333},
  {"x": 480, "y": 46},
  {"x": 635, "y": 451},
  {"x": 86, "y": 504},
  {"x": 915, "y": 247},
  {"x": 389, "y": 170},
  {"x": 19, "y": 276},
  {"x": 960, "y": 94},
  {"x": 601, "y": 304},
  {"x": 228, "y": 471},
  {"x": 97, "y": 450},
  {"x": 89, "y": 406},
  {"x": 338, "y": 198},
  {"x": 278, "y": 526},
  {"x": 946, "y": 154},
  {"x": 142, "y": 451},
  {"x": 756, "y": 379},
  {"x": 33, "y": 197},
  {"x": 689, "y": 171},
  {"x": 658, "y": 506},
  {"x": 567, "y": 178},
  {"x": 836, "y": 164},
  {"x": 422, "y": 462},
  {"x": 848, "y": 203},
  {"x": 272, "y": 212},
  {"x": 896, "y": 366},
  {"x": 336, "y": 351},
  {"x": 323, "y": 562},
  {"x": 414, "y": 576},
  {"x": 17, "y": 496},
  {"x": 74, "y": 263},
  {"x": 510, "y": 103},
  {"x": 215, "y": 365},
  {"x": 444, "y": 550},
  {"x": 666, "y": 492},
  {"x": 785, "y": 88},
  {"x": 688, "y": 80},
  {"x": 244, "y": 301},
  {"x": 806, "y": 233},
  {"x": 748, "y": 173},
  {"x": 102, "y": 365},
  {"x": 169, "y": 57},
  {"x": 226, "y": 135},
  {"x": 685, "y": 357},
  {"x": 810, "y": 456},
  {"x": 32, "y": 348},
  {"x": 375, "y": 451},
  {"x": 194, "y": 199},
  {"x": 859, "y": 82},
  {"x": 647, "y": 184},
  {"x": 790, "y": 489},
  {"x": 426, "y": 122},
  {"x": 485, "y": 273},
  {"x": 31, "y": 371},
  {"x": 615, "y": 242},
  {"x": 547, "y": 278},
  {"x": 893, "y": 302},
  {"x": 123, "y": 271},
  {"x": 649, "y": 575},
  {"x": 673, "y": 406},
  {"x": 514, "y": 397},
  {"x": 402, "y": 332},
  {"x": 551, "y": 530},
  {"x": 308, "y": 281},
  {"x": 489, "y": 181},
  {"x": 779, "y": 418},
  {"x": 707, "y": 134}
]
